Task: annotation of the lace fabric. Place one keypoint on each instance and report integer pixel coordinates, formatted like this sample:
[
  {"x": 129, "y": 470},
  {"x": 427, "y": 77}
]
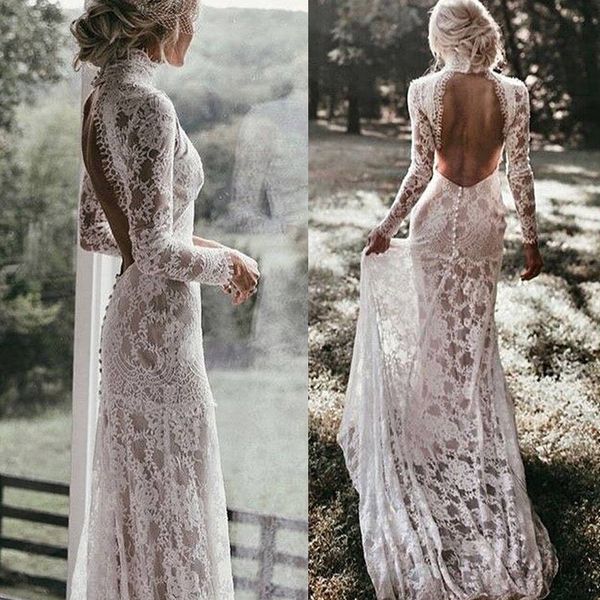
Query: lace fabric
[
  {"x": 170, "y": 13},
  {"x": 156, "y": 523},
  {"x": 428, "y": 430},
  {"x": 425, "y": 104}
]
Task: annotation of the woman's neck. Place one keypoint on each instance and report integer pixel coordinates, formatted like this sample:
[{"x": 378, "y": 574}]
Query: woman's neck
[{"x": 457, "y": 62}]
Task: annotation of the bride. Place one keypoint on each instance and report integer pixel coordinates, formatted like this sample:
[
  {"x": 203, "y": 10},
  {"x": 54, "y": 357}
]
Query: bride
[
  {"x": 156, "y": 525},
  {"x": 428, "y": 430}
]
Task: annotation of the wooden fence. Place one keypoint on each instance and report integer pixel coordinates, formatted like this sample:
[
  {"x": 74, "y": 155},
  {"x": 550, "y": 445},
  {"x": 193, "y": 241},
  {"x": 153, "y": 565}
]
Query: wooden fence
[{"x": 266, "y": 556}]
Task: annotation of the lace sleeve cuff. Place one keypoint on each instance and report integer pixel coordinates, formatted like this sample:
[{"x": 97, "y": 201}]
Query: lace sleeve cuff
[{"x": 219, "y": 266}]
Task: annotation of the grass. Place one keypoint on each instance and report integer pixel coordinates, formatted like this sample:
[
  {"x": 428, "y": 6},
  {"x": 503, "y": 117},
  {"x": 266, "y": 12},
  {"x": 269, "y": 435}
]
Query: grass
[
  {"x": 262, "y": 423},
  {"x": 36, "y": 448},
  {"x": 549, "y": 342}
]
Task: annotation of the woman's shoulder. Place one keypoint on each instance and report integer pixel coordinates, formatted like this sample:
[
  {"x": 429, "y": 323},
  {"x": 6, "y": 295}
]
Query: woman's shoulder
[
  {"x": 515, "y": 93},
  {"x": 422, "y": 91},
  {"x": 144, "y": 110},
  {"x": 428, "y": 79},
  {"x": 152, "y": 100},
  {"x": 513, "y": 84},
  {"x": 424, "y": 86}
]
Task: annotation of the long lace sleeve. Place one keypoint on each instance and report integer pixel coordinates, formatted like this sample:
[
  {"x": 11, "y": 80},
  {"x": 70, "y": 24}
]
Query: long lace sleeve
[
  {"x": 95, "y": 234},
  {"x": 421, "y": 166},
  {"x": 150, "y": 147},
  {"x": 518, "y": 168}
]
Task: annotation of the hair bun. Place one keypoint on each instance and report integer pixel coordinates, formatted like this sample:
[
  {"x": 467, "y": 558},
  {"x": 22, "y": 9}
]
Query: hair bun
[
  {"x": 108, "y": 29},
  {"x": 466, "y": 27}
]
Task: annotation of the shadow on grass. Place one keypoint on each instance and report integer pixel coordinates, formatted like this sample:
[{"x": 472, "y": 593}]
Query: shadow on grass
[
  {"x": 337, "y": 567},
  {"x": 573, "y": 266},
  {"x": 551, "y": 166},
  {"x": 566, "y": 496}
]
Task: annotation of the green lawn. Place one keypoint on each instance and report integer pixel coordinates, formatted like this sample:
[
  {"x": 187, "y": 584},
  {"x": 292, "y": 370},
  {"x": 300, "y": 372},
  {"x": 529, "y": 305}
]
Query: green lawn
[
  {"x": 549, "y": 338},
  {"x": 38, "y": 448},
  {"x": 262, "y": 426}
]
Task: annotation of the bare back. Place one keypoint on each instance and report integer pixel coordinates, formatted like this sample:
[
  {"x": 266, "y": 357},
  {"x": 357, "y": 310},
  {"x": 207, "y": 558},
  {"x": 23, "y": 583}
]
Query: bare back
[
  {"x": 462, "y": 122},
  {"x": 91, "y": 157},
  {"x": 472, "y": 129}
]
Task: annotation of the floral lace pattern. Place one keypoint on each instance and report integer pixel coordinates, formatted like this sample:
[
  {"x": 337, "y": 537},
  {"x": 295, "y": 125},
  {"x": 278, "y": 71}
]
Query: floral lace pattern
[
  {"x": 95, "y": 232},
  {"x": 156, "y": 524},
  {"x": 428, "y": 430},
  {"x": 425, "y": 105},
  {"x": 421, "y": 164},
  {"x": 518, "y": 168}
]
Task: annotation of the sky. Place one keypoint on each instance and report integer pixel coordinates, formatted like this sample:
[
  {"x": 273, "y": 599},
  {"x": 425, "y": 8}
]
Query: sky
[{"x": 287, "y": 4}]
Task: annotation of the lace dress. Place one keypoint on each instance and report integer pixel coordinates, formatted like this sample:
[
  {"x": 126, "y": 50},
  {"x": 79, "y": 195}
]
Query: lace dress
[
  {"x": 156, "y": 526},
  {"x": 428, "y": 430}
]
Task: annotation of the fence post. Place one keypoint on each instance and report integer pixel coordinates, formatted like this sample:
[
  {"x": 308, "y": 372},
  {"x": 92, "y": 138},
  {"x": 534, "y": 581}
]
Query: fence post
[
  {"x": 268, "y": 529},
  {"x": 1, "y": 514}
]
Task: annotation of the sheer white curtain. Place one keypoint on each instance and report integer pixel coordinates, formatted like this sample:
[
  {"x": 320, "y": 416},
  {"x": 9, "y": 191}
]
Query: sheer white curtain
[{"x": 95, "y": 274}]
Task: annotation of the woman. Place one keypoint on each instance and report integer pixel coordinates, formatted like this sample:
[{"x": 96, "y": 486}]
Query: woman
[
  {"x": 157, "y": 525},
  {"x": 428, "y": 430}
]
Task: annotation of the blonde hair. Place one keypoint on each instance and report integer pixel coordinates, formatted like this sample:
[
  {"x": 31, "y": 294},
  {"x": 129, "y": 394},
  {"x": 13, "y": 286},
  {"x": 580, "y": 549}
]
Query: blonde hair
[
  {"x": 465, "y": 28},
  {"x": 108, "y": 29}
]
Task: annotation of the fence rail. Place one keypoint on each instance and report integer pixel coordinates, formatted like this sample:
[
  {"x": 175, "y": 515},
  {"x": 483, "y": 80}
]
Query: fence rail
[{"x": 267, "y": 555}]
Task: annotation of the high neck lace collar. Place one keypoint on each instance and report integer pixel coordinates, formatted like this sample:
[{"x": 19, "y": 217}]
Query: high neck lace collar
[
  {"x": 137, "y": 67},
  {"x": 455, "y": 62}
]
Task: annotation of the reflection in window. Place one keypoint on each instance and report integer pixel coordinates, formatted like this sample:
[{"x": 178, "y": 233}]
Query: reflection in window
[{"x": 242, "y": 99}]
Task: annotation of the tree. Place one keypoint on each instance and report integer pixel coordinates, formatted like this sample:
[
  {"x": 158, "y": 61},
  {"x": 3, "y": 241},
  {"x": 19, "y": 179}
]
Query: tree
[
  {"x": 553, "y": 45},
  {"x": 322, "y": 16},
  {"x": 30, "y": 44},
  {"x": 369, "y": 42},
  {"x": 33, "y": 362}
]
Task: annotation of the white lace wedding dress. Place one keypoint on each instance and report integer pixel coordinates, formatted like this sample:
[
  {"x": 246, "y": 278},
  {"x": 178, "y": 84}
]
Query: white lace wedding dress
[
  {"x": 156, "y": 527},
  {"x": 428, "y": 430}
]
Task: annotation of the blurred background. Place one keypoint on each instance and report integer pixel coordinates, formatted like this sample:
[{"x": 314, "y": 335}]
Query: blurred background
[
  {"x": 242, "y": 98},
  {"x": 362, "y": 56}
]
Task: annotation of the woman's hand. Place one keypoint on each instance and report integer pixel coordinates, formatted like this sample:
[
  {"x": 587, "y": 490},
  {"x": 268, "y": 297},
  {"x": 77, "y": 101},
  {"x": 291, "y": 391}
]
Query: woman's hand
[
  {"x": 198, "y": 241},
  {"x": 377, "y": 243},
  {"x": 245, "y": 278},
  {"x": 533, "y": 261}
]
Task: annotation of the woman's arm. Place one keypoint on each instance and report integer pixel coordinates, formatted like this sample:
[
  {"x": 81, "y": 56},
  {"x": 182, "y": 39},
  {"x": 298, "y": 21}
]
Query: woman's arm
[
  {"x": 204, "y": 243},
  {"x": 238, "y": 256},
  {"x": 95, "y": 234},
  {"x": 520, "y": 179},
  {"x": 150, "y": 147},
  {"x": 518, "y": 167},
  {"x": 420, "y": 170}
]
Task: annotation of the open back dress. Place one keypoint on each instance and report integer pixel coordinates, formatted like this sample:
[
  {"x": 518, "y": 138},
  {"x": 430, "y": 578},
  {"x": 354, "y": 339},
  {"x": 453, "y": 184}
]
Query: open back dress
[
  {"x": 156, "y": 524},
  {"x": 428, "y": 429}
]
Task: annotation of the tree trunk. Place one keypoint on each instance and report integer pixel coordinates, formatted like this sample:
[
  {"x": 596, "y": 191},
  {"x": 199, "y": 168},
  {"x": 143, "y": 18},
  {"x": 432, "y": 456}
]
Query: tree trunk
[
  {"x": 590, "y": 109},
  {"x": 331, "y": 105},
  {"x": 314, "y": 93},
  {"x": 353, "y": 123},
  {"x": 511, "y": 40}
]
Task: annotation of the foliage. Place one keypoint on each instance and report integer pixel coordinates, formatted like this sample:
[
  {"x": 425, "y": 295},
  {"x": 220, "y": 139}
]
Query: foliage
[
  {"x": 32, "y": 373},
  {"x": 30, "y": 41},
  {"x": 30, "y": 38},
  {"x": 553, "y": 45}
]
